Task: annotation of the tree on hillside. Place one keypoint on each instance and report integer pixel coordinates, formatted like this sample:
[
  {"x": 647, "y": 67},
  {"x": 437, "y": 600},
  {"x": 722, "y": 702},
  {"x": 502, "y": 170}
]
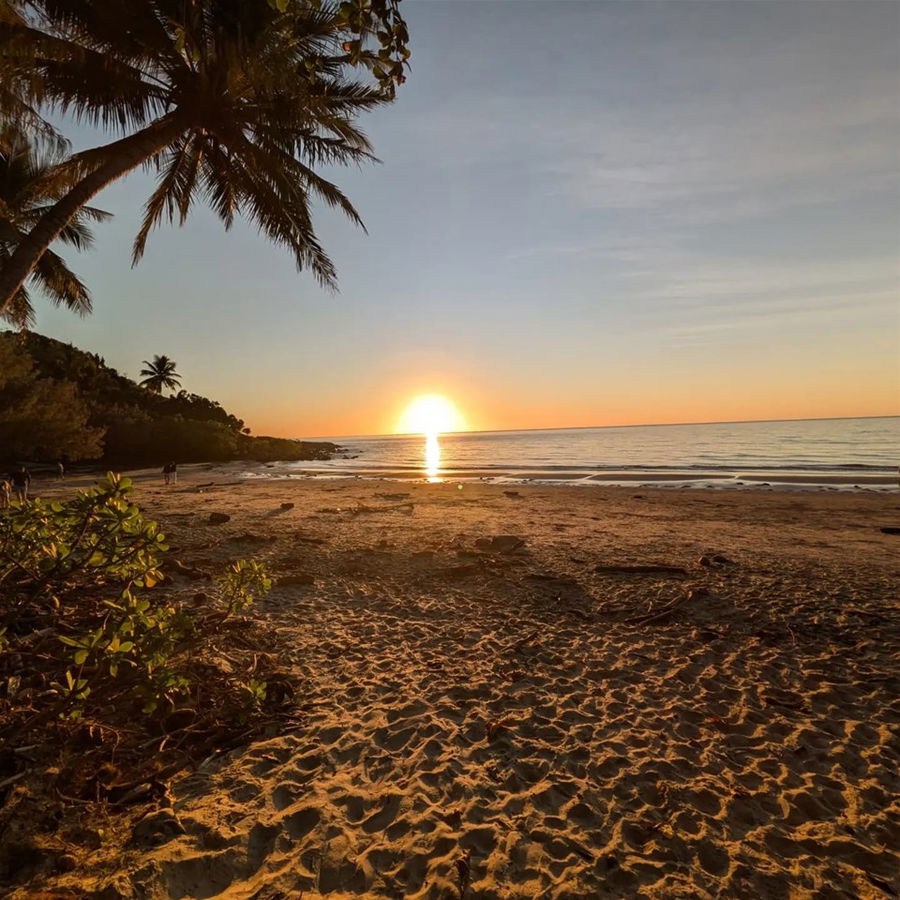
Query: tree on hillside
[
  {"x": 41, "y": 418},
  {"x": 234, "y": 101},
  {"x": 28, "y": 187},
  {"x": 160, "y": 374},
  {"x": 193, "y": 406}
]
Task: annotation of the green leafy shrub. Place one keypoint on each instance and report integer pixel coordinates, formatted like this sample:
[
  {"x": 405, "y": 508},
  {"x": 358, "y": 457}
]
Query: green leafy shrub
[
  {"x": 83, "y": 569},
  {"x": 99, "y": 537},
  {"x": 83, "y": 575},
  {"x": 244, "y": 582},
  {"x": 255, "y": 693},
  {"x": 108, "y": 679}
]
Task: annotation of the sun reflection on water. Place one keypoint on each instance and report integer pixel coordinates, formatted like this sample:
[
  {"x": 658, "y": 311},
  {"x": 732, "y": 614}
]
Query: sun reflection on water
[{"x": 432, "y": 457}]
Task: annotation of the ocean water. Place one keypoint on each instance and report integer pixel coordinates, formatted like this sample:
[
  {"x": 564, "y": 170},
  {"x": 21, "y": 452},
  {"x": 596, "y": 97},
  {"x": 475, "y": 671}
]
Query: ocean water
[{"x": 836, "y": 452}]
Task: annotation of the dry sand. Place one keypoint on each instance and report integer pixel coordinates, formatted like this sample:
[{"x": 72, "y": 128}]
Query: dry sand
[{"x": 518, "y": 724}]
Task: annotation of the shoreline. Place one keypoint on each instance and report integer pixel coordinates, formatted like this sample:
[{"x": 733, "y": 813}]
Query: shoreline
[
  {"x": 260, "y": 472},
  {"x": 689, "y": 480},
  {"x": 648, "y": 479}
]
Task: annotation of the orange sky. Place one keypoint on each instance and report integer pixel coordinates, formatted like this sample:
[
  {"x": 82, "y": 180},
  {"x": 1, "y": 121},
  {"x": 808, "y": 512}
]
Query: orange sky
[{"x": 378, "y": 410}]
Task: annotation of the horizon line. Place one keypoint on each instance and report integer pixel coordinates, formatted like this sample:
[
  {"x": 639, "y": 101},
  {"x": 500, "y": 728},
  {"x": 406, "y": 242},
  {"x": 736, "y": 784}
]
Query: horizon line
[{"x": 591, "y": 427}]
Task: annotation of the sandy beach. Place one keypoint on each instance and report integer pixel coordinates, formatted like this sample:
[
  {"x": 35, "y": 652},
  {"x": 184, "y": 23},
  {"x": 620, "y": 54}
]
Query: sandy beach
[{"x": 546, "y": 692}]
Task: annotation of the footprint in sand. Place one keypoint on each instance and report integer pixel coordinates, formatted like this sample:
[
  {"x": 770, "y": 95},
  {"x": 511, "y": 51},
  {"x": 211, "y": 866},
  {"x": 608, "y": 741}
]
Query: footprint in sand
[
  {"x": 553, "y": 797},
  {"x": 244, "y": 792},
  {"x": 409, "y": 711},
  {"x": 266, "y": 764},
  {"x": 381, "y": 859},
  {"x": 481, "y": 841},
  {"x": 301, "y": 823},
  {"x": 401, "y": 827},
  {"x": 260, "y": 843},
  {"x": 306, "y": 766},
  {"x": 380, "y": 820},
  {"x": 199, "y": 876},
  {"x": 393, "y": 740},
  {"x": 582, "y": 814},
  {"x": 705, "y": 801},
  {"x": 713, "y": 859},
  {"x": 354, "y": 806},
  {"x": 286, "y": 795}
]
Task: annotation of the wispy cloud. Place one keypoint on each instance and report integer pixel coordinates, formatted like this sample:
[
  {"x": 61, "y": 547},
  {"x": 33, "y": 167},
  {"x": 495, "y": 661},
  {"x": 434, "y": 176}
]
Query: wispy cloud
[
  {"x": 714, "y": 128},
  {"x": 705, "y": 303},
  {"x": 697, "y": 172}
]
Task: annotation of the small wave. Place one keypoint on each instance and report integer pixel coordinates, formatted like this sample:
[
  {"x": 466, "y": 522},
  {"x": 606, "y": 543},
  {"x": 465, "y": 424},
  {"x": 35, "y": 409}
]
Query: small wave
[{"x": 363, "y": 465}]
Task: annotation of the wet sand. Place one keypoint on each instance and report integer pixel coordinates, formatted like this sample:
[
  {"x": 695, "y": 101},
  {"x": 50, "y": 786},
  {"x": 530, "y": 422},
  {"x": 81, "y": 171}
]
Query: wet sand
[{"x": 492, "y": 721}]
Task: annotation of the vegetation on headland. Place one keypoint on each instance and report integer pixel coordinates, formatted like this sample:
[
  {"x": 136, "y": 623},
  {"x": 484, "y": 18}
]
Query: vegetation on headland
[
  {"x": 235, "y": 104},
  {"x": 111, "y": 681},
  {"x": 57, "y": 401}
]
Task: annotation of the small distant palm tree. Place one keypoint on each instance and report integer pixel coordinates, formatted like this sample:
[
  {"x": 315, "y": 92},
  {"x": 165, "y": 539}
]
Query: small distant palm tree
[
  {"x": 28, "y": 188},
  {"x": 160, "y": 374}
]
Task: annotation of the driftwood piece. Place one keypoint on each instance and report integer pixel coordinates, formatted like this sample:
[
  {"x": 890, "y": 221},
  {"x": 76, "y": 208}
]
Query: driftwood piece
[
  {"x": 191, "y": 572},
  {"x": 640, "y": 570},
  {"x": 13, "y": 779},
  {"x": 297, "y": 579},
  {"x": 660, "y": 615},
  {"x": 393, "y": 507},
  {"x": 458, "y": 571},
  {"x": 500, "y": 543}
]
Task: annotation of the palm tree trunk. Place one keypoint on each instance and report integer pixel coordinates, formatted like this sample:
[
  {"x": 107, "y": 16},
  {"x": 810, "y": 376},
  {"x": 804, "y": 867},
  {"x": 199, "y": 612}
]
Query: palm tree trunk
[{"x": 122, "y": 156}]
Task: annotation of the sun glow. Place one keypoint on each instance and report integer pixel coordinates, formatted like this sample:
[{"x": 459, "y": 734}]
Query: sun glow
[{"x": 431, "y": 415}]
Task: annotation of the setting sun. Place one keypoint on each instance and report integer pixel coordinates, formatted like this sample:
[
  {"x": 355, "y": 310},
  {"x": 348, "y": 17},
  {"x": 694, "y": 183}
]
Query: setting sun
[{"x": 430, "y": 414}]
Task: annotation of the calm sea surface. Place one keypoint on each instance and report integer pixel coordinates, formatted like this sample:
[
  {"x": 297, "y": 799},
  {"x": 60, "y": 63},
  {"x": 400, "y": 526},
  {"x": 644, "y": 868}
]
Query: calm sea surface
[{"x": 821, "y": 451}]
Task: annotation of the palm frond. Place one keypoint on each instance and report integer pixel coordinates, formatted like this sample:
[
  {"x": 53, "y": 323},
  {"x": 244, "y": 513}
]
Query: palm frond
[
  {"x": 293, "y": 174},
  {"x": 28, "y": 187},
  {"x": 61, "y": 286},
  {"x": 20, "y": 312},
  {"x": 280, "y": 209},
  {"x": 178, "y": 175}
]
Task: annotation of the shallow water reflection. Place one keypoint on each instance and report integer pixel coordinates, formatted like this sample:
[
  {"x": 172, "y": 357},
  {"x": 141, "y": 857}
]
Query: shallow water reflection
[{"x": 432, "y": 457}]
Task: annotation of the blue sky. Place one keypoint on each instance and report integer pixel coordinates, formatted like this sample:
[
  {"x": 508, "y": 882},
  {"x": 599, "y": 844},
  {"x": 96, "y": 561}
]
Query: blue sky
[{"x": 587, "y": 213}]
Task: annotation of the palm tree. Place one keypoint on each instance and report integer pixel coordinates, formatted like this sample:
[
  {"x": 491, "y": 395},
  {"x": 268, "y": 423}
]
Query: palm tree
[
  {"x": 28, "y": 187},
  {"x": 233, "y": 101},
  {"x": 160, "y": 374}
]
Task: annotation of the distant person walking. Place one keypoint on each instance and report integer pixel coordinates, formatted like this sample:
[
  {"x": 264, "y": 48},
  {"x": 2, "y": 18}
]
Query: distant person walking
[
  {"x": 170, "y": 473},
  {"x": 5, "y": 488},
  {"x": 21, "y": 480},
  {"x": 61, "y": 470}
]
